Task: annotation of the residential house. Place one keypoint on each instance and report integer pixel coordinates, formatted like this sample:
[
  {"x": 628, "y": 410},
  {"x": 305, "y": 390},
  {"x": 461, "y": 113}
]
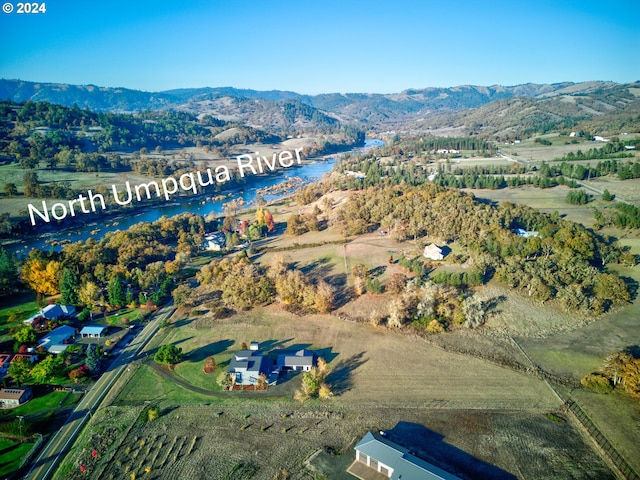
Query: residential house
[
  {"x": 14, "y": 397},
  {"x": 215, "y": 241},
  {"x": 53, "y": 312},
  {"x": 300, "y": 360},
  {"x": 246, "y": 366},
  {"x": 58, "y": 339},
  {"x": 92, "y": 331},
  {"x": 381, "y": 455},
  {"x": 526, "y": 233},
  {"x": 433, "y": 252}
]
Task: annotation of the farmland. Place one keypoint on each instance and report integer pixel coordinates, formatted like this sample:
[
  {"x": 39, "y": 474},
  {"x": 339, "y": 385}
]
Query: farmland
[{"x": 467, "y": 407}]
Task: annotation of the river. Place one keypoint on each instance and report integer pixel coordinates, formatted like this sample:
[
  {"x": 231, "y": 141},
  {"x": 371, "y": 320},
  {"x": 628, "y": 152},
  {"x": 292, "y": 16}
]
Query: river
[{"x": 308, "y": 173}]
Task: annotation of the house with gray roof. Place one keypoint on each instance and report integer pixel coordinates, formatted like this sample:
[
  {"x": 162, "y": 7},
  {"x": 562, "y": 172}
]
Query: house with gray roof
[
  {"x": 300, "y": 360},
  {"x": 375, "y": 453},
  {"x": 247, "y": 365}
]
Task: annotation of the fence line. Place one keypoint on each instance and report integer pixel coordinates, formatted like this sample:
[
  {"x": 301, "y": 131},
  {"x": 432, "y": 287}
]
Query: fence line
[{"x": 603, "y": 442}]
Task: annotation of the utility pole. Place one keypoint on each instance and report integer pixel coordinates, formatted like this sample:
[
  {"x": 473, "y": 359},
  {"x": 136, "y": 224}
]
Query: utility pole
[{"x": 20, "y": 418}]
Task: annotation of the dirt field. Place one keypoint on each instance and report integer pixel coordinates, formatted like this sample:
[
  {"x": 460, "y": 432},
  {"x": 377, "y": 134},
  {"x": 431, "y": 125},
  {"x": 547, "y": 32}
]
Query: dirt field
[{"x": 259, "y": 440}]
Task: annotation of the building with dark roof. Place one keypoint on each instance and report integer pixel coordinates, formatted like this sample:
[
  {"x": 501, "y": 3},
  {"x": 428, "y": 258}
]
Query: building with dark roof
[
  {"x": 247, "y": 365},
  {"x": 377, "y": 455},
  {"x": 300, "y": 360}
]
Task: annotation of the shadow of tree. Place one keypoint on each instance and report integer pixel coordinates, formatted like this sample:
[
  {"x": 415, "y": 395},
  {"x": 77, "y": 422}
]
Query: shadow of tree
[
  {"x": 340, "y": 376},
  {"x": 205, "y": 351}
]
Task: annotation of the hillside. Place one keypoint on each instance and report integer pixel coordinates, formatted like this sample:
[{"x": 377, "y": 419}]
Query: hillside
[{"x": 490, "y": 111}]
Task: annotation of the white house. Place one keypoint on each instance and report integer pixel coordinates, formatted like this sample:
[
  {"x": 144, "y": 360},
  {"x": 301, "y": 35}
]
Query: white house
[
  {"x": 433, "y": 252},
  {"x": 215, "y": 241}
]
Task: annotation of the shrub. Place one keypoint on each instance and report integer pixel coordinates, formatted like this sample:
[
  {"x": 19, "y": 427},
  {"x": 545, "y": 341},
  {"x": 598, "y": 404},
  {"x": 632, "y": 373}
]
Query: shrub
[{"x": 597, "y": 383}]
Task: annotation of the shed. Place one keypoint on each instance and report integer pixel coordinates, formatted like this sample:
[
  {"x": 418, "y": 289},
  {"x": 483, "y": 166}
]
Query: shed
[{"x": 92, "y": 331}]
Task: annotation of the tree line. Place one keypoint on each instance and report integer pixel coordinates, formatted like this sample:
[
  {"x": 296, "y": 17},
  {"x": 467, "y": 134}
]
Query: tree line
[{"x": 565, "y": 261}]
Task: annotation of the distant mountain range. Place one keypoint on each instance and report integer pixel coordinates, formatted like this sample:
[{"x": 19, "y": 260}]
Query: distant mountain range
[{"x": 494, "y": 110}]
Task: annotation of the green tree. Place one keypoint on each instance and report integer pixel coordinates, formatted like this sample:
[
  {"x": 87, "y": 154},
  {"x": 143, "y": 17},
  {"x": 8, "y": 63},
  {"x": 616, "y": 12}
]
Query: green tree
[
  {"x": 20, "y": 370},
  {"x": 92, "y": 359},
  {"x": 8, "y": 273},
  {"x": 606, "y": 196},
  {"x": 25, "y": 335},
  {"x": 116, "y": 291},
  {"x": 69, "y": 287},
  {"x": 45, "y": 370},
  {"x": 168, "y": 355}
]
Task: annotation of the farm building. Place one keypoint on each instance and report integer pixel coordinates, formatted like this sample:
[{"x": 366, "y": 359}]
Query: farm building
[
  {"x": 300, "y": 360},
  {"x": 375, "y": 453},
  {"x": 14, "y": 397},
  {"x": 53, "y": 312},
  {"x": 433, "y": 252},
  {"x": 247, "y": 365},
  {"x": 92, "y": 331},
  {"x": 57, "y": 340}
]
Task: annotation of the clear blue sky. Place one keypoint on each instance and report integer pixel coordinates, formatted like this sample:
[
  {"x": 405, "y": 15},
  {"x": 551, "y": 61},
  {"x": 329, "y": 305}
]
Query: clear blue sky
[{"x": 321, "y": 46}]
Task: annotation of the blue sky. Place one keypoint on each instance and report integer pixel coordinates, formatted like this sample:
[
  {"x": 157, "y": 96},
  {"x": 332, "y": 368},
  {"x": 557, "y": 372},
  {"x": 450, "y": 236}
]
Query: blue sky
[{"x": 321, "y": 47}]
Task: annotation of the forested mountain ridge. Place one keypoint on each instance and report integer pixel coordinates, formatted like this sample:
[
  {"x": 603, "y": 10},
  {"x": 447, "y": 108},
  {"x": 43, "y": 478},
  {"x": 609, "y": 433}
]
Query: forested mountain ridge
[{"x": 490, "y": 111}]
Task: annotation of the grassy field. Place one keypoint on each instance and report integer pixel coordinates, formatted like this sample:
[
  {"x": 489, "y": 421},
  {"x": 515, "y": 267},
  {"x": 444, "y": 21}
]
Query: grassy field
[
  {"x": 546, "y": 200},
  {"x": 24, "y": 305},
  {"x": 11, "y": 452}
]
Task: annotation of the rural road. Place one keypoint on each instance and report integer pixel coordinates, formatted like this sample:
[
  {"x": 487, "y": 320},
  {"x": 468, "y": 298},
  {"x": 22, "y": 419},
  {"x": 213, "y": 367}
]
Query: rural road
[{"x": 57, "y": 447}]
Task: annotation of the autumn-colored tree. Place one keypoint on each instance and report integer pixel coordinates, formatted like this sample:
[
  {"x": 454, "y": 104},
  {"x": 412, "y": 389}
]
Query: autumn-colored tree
[
  {"x": 209, "y": 365},
  {"x": 314, "y": 383},
  {"x": 325, "y": 297},
  {"x": 623, "y": 370},
  {"x": 294, "y": 288},
  {"x": 45, "y": 370},
  {"x": 89, "y": 294},
  {"x": 79, "y": 373},
  {"x": 395, "y": 285},
  {"x": 360, "y": 274},
  {"x": 42, "y": 275}
]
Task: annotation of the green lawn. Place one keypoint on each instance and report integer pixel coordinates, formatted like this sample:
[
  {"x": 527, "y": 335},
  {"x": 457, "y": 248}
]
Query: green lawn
[
  {"x": 147, "y": 385},
  {"x": 37, "y": 405},
  {"x": 11, "y": 452},
  {"x": 192, "y": 372},
  {"x": 24, "y": 304}
]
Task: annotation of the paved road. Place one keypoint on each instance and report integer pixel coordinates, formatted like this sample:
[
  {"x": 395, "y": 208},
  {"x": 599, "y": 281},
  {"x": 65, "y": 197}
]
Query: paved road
[{"x": 59, "y": 444}]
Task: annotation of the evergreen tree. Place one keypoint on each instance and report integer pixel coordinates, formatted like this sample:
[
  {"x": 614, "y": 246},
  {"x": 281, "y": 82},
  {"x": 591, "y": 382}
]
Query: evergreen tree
[
  {"x": 92, "y": 359},
  {"x": 69, "y": 287},
  {"x": 115, "y": 290},
  {"x": 8, "y": 273}
]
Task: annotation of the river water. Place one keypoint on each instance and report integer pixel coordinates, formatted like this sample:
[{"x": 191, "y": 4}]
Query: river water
[{"x": 308, "y": 173}]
